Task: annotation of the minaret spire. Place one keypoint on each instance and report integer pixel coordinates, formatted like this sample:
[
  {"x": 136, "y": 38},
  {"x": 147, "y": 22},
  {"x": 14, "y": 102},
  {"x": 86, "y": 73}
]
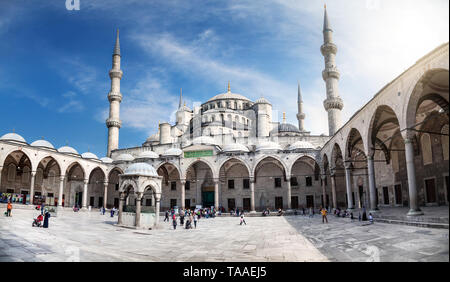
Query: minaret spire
[
  {"x": 181, "y": 98},
  {"x": 300, "y": 114},
  {"x": 229, "y": 89},
  {"x": 333, "y": 104},
  {"x": 115, "y": 97}
]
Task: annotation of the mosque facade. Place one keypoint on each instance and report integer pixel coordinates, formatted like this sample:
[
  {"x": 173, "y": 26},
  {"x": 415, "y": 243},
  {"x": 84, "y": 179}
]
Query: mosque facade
[{"x": 229, "y": 152}]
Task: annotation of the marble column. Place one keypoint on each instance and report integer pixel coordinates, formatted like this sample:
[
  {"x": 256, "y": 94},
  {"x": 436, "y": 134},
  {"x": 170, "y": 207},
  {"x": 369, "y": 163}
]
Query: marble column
[
  {"x": 252, "y": 195},
  {"x": 157, "y": 208},
  {"x": 348, "y": 184},
  {"x": 333, "y": 190},
  {"x": 32, "y": 180},
  {"x": 289, "y": 204},
  {"x": 324, "y": 192},
  {"x": 372, "y": 185},
  {"x": 138, "y": 210},
  {"x": 414, "y": 209},
  {"x": 61, "y": 190},
  {"x": 216, "y": 193},
  {"x": 105, "y": 194},
  {"x": 183, "y": 193},
  {"x": 121, "y": 202},
  {"x": 85, "y": 190}
]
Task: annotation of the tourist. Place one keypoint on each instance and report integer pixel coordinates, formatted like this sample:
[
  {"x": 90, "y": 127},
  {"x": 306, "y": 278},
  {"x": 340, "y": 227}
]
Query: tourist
[
  {"x": 311, "y": 212},
  {"x": 370, "y": 218},
  {"x": 303, "y": 210},
  {"x": 324, "y": 215},
  {"x": 174, "y": 221},
  {"x": 351, "y": 216},
  {"x": 46, "y": 217},
  {"x": 182, "y": 218},
  {"x": 42, "y": 208},
  {"x": 195, "y": 220},
  {"x": 166, "y": 216},
  {"x": 242, "y": 219},
  {"x": 8, "y": 209},
  {"x": 113, "y": 211}
]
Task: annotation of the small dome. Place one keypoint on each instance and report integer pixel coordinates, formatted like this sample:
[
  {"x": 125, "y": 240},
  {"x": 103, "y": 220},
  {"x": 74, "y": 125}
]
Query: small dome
[
  {"x": 300, "y": 145},
  {"x": 262, "y": 100},
  {"x": 141, "y": 169},
  {"x": 106, "y": 160},
  {"x": 204, "y": 140},
  {"x": 43, "y": 144},
  {"x": 147, "y": 155},
  {"x": 13, "y": 137},
  {"x": 124, "y": 158},
  {"x": 67, "y": 150},
  {"x": 153, "y": 138},
  {"x": 172, "y": 152},
  {"x": 89, "y": 155},
  {"x": 268, "y": 146},
  {"x": 287, "y": 127},
  {"x": 234, "y": 147}
]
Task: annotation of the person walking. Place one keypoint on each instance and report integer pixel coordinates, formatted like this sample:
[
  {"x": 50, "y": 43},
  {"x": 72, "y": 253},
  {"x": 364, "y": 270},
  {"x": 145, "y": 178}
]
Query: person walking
[
  {"x": 8, "y": 209},
  {"x": 195, "y": 220},
  {"x": 46, "y": 217},
  {"x": 166, "y": 216},
  {"x": 242, "y": 219},
  {"x": 174, "y": 222},
  {"x": 311, "y": 212},
  {"x": 324, "y": 215},
  {"x": 370, "y": 218}
]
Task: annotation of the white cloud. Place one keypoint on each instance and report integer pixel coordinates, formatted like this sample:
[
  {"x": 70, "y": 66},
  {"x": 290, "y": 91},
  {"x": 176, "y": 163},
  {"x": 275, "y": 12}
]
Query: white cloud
[{"x": 71, "y": 103}]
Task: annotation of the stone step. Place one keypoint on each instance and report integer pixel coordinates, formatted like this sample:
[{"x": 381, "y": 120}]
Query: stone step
[{"x": 413, "y": 223}]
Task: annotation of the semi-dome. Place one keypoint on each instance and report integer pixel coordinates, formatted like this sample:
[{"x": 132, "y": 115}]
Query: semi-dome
[
  {"x": 89, "y": 155},
  {"x": 262, "y": 100},
  {"x": 13, "y": 137},
  {"x": 228, "y": 96},
  {"x": 43, "y": 144},
  {"x": 147, "y": 155},
  {"x": 143, "y": 169},
  {"x": 172, "y": 152},
  {"x": 124, "y": 158},
  {"x": 67, "y": 150},
  {"x": 204, "y": 140},
  {"x": 268, "y": 146},
  {"x": 106, "y": 160},
  {"x": 301, "y": 145},
  {"x": 235, "y": 147}
]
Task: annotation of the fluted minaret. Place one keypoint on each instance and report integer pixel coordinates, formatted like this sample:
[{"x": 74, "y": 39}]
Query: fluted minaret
[
  {"x": 300, "y": 114},
  {"x": 333, "y": 103},
  {"x": 115, "y": 97}
]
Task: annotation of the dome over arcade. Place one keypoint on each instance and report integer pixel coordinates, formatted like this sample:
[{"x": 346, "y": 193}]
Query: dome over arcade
[
  {"x": 124, "y": 158},
  {"x": 106, "y": 160},
  {"x": 43, "y": 144},
  {"x": 13, "y": 137},
  {"x": 147, "y": 155},
  {"x": 68, "y": 150},
  {"x": 89, "y": 155},
  {"x": 268, "y": 146},
  {"x": 235, "y": 147},
  {"x": 205, "y": 140},
  {"x": 300, "y": 145},
  {"x": 262, "y": 100},
  {"x": 172, "y": 152},
  {"x": 143, "y": 169}
]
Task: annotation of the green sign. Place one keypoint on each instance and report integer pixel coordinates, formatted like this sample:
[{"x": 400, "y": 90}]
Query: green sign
[{"x": 198, "y": 154}]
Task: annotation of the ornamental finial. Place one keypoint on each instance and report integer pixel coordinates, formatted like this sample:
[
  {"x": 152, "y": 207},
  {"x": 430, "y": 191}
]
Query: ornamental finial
[{"x": 229, "y": 89}]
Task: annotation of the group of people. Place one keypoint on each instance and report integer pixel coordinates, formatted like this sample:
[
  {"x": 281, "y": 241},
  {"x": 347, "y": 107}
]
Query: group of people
[
  {"x": 42, "y": 219},
  {"x": 191, "y": 217}
]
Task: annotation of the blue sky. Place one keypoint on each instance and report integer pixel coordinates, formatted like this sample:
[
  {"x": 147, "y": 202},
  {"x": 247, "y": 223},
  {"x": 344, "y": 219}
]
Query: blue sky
[{"x": 54, "y": 62}]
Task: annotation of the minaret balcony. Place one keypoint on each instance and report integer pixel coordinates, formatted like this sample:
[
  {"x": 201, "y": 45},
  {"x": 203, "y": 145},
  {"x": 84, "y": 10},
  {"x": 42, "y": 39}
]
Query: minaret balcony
[
  {"x": 114, "y": 96},
  {"x": 330, "y": 72},
  {"x": 328, "y": 48},
  {"x": 115, "y": 74},
  {"x": 333, "y": 103},
  {"x": 113, "y": 123},
  {"x": 301, "y": 116}
]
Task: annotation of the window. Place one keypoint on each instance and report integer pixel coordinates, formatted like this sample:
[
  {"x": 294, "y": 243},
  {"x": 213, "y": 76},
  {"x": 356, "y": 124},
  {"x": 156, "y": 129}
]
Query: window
[
  {"x": 148, "y": 202},
  {"x": 308, "y": 181},
  {"x": 231, "y": 204},
  {"x": 230, "y": 183},
  {"x": 386, "y": 195},
  {"x": 246, "y": 183},
  {"x": 187, "y": 203},
  {"x": 277, "y": 182},
  {"x": 187, "y": 186},
  {"x": 246, "y": 204},
  {"x": 294, "y": 202},
  {"x": 173, "y": 203},
  {"x": 117, "y": 186},
  {"x": 398, "y": 194},
  {"x": 294, "y": 181},
  {"x": 173, "y": 185},
  {"x": 278, "y": 202},
  {"x": 91, "y": 201}
]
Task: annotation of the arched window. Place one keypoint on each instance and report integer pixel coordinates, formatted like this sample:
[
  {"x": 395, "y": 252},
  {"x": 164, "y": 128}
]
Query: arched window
[
  {"x": 444, "y": 141},
  {"x": 26, "y": 174},
  {"x": 427, "y": 154},
  {"x": 11, "y": 172}
]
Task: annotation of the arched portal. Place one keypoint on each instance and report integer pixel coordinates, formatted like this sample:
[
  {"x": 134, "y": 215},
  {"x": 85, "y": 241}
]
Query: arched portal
[
  {"x": 48, "y": 182},
  {"x": 96, "y": 191},
  {"x": 76, "y": 180},
  {"x": 16, "y": 177},
  {"x": 113, "y": 195},
  {"x": 357, "y": 159},
  {"x": 201, "y": 178},
  {"x": 305, "y": 181},
  {"x": 235, "y": 192},
  {"x": 270, "y": 184},
  {"x": 171, "y": 186}
]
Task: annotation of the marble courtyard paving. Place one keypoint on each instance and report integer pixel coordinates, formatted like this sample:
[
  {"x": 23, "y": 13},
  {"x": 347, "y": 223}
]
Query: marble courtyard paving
[{"x": 90, "y": 236}]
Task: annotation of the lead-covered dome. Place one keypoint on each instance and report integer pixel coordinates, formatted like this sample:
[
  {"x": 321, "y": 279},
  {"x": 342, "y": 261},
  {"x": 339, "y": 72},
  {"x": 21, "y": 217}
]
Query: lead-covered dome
[
  {"x": 172, "y": 152},
  {"x": 14, "y": 137},
  {"x": 262, "y": 100},
  {"x": 106, "y": 160},
  {"x": 42, "y": 144},
  {"x": 143, "y": 169},
  {"x": 89, "y": 155},
  {"x": 287, "y": 127},
  {"x": 206, "y": 140},
  {"x": 235, "y": 148},
  {"x": 147, "y": 155},
  {"x": 268, "y": 146},
  {"x": 300, "y": 145},
  {"x": 229, "y": 96},
  {"x": 124, "y": 158},
  {"x": 68, "y": 150}
]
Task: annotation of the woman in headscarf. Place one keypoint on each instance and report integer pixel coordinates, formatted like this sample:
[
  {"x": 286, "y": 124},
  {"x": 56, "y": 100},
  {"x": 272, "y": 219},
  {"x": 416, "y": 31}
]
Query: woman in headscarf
[{"x": 46, "y": 217}]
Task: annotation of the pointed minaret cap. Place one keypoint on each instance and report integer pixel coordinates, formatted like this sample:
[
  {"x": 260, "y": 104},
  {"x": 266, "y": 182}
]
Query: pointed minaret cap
[
  {"x": 117, "y": 46},
  {"x": 229, "y": 89},
  {"x": 181, "y": 97},
  {"x": 326, "y": 23},
  {"x": 299, "y": 98}
]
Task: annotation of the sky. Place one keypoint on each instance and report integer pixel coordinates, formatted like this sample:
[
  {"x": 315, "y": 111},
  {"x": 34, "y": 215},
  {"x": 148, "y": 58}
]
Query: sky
[{"x": 54, "y": 61}]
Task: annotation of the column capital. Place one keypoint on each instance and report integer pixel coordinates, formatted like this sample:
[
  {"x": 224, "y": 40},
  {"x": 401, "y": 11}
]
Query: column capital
[
  {"x": 105, "y": 183},
  {"x": 407, "y": 135},
  {"x": 252, "y": 179},
  {"x": 348, "y": 165},
  {"x": 183, "y": 181},
  {"x": 86, "y": 181},
  {"x": 216, "y": 180},
  {"x": 139, "y": 195}
]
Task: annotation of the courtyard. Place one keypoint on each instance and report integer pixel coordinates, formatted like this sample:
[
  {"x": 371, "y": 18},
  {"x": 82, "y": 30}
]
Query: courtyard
[{"x": 90, "y": 236}]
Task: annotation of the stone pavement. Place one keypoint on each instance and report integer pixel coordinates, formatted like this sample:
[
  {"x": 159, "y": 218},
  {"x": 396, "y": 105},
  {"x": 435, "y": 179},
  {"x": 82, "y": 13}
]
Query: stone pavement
[{"x": 89, "y": 236}]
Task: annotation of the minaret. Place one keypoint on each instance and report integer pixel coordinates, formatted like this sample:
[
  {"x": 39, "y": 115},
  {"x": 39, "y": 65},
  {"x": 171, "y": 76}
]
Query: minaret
[
  {"x": 300, "y": 114},
  {"x": 181, "y": 98},
  {"x": 115, "y": 97},
  {"x": 333, "y": 104}
]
